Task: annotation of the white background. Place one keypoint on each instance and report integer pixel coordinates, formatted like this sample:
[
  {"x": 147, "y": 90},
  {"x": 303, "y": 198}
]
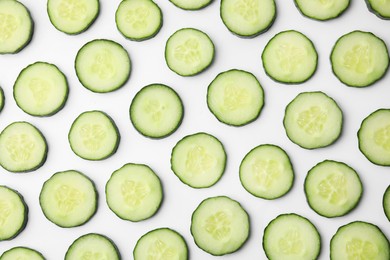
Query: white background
[{"x": 149, "y": 66}]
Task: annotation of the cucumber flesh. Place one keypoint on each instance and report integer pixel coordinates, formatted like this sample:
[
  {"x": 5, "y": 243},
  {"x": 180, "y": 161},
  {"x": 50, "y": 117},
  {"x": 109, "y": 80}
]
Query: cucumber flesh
[
  {"x": 359, "y": 240},
  {"x": 68, "y": 199},
  {"x": 386, "y": 202},
  {"x": 21, "y": 253},
  {"x": 380, "y": 8},
  {"x": 291, "y": 237},
  {"x": 359, "y": 59},
  {"x": 220, "y": 225},
  {"x": 16, "y": 26},
  {"x": 191, "y": 4},
  {"x": 332, "y": 188},
  {"x": 161, "y": 243},
  {"x": 72, "y": 16},
  {"x": 235, "y": 97},
  {"x": 322, "y": 10},
  {"x": 2, "y": 99}
]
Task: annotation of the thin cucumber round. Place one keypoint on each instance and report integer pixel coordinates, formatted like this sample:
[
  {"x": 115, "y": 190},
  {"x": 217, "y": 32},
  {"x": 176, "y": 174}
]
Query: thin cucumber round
[
  {"x": 138, "y": 20},
  {"x": 21, "y": 252},
  {"x": 373, "y": 137},
  {"x": 161, "y": 243},
  {"x": 359, "y": 240},
  {"x": 235, "y": 97},
  {"x": 359, "y": 59},
  {"x": 156, "y": 111},
  {"x": 2, "y": 99},
  {"x": 189, "y": 51},
  {"x": 92, "y": 246},
  {"x": 23, "y": 147},
  {"x": 290, "y": 57},
  {"x": 322, "y": 10},
  {"x": 72, "y": 16},
  {"x": 332, "y": 188},
  {"x": 13, "y": 213},
  {"x": 386, "y": 202},
  {"x": 220, "y": 225},
  {"x": 16, "y": 27},
  {"x": 94, "y": 136},
  {"x": 198, "y": 160},
  {"x": 41, "y": 89},
  {"x": 291, "y": 236},
  {"x": 68, "y": 199},
  {"x": 102, "y": 65},
  {"x": 380, "y": 8},
  {"x": 191, "y": 5},
  {"x": 248, "y": 18},
  {"x": 134, "y": 192},
  {"x": 266, "y": 172},
  {"x": 313, "y": 120}
]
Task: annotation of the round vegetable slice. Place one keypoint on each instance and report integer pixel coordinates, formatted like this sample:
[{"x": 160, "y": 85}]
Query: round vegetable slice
[
  {"x": 2, "y": 99},
  {"x": 191, "y": 5},
  {"x": 380, "y": 8},
  {"x": 386, "y": 202},
  {"x": 322, "y": 10},
  {"x": 21, "y": 252}
]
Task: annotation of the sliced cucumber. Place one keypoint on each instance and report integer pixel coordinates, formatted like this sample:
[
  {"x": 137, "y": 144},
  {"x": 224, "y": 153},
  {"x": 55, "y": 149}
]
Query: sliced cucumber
[
  {"x": 161, "y": 243},
  {"x": 13, "y": 213},
  {"x": 94, "y": 136},
  {"x": 23, "y": 147},
  {"x": 189, "y": 51},
  {"x": 220, "y": 225},
  {"x": 156, "y": 111},
  {"x": 291, "y": 236},
  {"x": 16, "y": 26},
  {"x": 380, "y": 8},
  {"x": 102, "y": 65},
  {"x": 92, "y": 246},
  {"x": 386, "y": 202},
  {"x": 322, "y": 10},
  {"x": 290, "y": 57},
  {"x": 134, "y": 192},
  {"x": 266, "y": 172},
  {"x": 41, "y": 89},
  {"x": 191, "y": 4},
  {"x": 2, "y": 99},
  {"x": 313, "y": 120},
  {"x": 68, "y": 199},
  {"x": 248, "y": 18},
  {"x": 359, "y": 240},
  {"x": 138, "y": 20},
  {"x": 359, "y": 59},
  {"x": 198, "y": 160},
  {"x": 20, "y": 253},
  {"x": 235, "y": 97},
  {"x": 374, "y": 137},
  {"x": 72, "y": 16},
  {"x": 333, "y": 188}
]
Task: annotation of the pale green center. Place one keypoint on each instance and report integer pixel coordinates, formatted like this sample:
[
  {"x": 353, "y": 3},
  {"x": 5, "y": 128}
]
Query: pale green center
[
  {"x": 359, "y": 59},
  {"x": 40, "y": 89},
  {"x": 93, "y": 136},
  {"x": 68, "y": 198},
  {"x": 20, "y": 147},
  {"x": 235, "y": 97},
  {"x": 248, "y": 10},
  {"x": 199, "y": 161},
  {"x": 8, "y": 25},
  {"x": 189, "y": 52},
  {"x": 5, "y": 211},
  {"x": 161, "y": 251},
  {"x": 358, "y": 249},
  {"x": 333, "y": 188},
  {"x": 103, "y": 65},
  {"x": 74, "y": 10},
  {"x": 290, "y": 57},
  {"x": 137, "y": 17},
  {"x": 382, "y": 137},
  {"x": 134, "y": 192},
  {"x": 218, "y": 225},
  {"x": 266, "y": 172},
  {"x": 291, "y": 243},
  {"x": 312, "y": 120}
]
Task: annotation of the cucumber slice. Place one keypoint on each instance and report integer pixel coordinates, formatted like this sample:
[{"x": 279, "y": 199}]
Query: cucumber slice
[
  {"x": 235, "y": 97},
  {"x": 290, "y": 57},
  {"x": 94, "y": 136},
  {"x": 313, "y": 120},
  {"x": 333, "y": 188},
  {"x": 386, "y": 202},
  {"x": 92, "y": 246},
  {"x": 21, "y": 252},
  {"x": 359, "y": 59},
  {"x": 191, "y": 5},
  {"x": 138, "y": 20},
  {"x": 266, "y": 172},
  {"x": 2, "y": 99},
  {"x": 189, "y": 51},
  {"x": 322, "y": 10},
  {"x": 41, "y": 89},
  {"x": 248, "y": 18},
  {"x": 68, "y": 199},
  {"x": 359, "y": 240},
  {"x": 102, "y": 66},
  {"x": 220, "y": 225},
  {"x": 23, "y": 147},
  {"x": 72, "y": 16},
  {"x": 379, "y": 7},
  {"x": 374, "y": 137},
  {"x": 291, "y": 236},
  {"x": 156, "y": 111},
  {"x": 13, "y": 213},
  {"x": 198, "y": 160},
  {"x": 16, "y": 26},
  {"x": 161, "y": 243},
  {"x": 134, "y": 192}
]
